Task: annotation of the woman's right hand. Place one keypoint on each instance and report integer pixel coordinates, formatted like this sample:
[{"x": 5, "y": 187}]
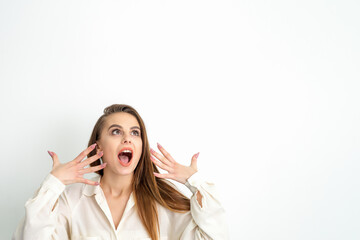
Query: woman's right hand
[{"x": 73, "y": 171}]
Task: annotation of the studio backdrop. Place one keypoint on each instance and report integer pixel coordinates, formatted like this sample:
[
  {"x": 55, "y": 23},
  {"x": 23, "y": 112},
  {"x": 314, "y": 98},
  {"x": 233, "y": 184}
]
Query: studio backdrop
[{"x": 266, "y": 91}]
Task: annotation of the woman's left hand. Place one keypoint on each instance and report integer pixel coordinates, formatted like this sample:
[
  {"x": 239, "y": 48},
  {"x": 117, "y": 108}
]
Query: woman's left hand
[{"x": 176, "y": 171}]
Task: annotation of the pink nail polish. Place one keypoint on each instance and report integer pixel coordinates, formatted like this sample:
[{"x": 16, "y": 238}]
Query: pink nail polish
[
  {"x": 93, "y": 146},
  {"x": 50, "y": 153},
  {"x": 159, "y": 145},
  {"x": 196, "y": 156}
]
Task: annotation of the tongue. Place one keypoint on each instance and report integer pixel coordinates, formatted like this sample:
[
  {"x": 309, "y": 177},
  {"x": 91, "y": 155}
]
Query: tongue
[{"x": 124, "y": 159}]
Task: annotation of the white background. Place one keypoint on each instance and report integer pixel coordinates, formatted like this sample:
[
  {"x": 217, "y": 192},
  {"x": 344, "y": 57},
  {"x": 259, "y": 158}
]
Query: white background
[{"x": 266, "y": 91}]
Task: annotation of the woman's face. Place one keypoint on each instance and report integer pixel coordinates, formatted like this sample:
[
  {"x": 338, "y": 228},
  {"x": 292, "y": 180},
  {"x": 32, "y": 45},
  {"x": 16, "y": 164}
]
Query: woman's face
[{"x": 121, "y": 131}]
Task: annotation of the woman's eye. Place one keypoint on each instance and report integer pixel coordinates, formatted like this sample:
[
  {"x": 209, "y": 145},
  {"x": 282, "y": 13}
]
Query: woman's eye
[
  {"x": 136, "y": 133},
  {"x": 115, "y": 131}
]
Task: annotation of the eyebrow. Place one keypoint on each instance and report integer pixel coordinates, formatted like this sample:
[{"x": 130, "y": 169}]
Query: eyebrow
[{"x": 119, "y": 126}]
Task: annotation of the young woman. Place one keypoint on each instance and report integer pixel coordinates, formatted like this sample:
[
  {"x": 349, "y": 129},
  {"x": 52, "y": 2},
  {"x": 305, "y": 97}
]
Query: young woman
[{"x": 129, "y": 198}]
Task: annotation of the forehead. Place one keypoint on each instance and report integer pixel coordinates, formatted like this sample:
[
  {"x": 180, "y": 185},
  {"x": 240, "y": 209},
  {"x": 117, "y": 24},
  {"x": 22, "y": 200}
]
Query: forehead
[{"x": 122, "y": 118}]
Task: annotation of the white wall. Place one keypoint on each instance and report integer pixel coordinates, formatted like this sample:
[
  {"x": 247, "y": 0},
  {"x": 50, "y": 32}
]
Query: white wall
[{"x": 267, "y": 91}]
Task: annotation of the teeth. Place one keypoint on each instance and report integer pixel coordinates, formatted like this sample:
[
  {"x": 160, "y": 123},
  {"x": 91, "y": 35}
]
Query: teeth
[{"x": 129, "y": 151}]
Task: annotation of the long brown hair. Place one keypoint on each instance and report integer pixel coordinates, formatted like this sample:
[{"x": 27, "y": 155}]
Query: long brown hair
[{"x": 146, "y": 187}]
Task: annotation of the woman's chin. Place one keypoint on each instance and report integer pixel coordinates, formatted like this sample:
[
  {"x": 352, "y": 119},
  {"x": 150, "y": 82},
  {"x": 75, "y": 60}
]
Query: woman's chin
[{"x": 119, "y": 170}]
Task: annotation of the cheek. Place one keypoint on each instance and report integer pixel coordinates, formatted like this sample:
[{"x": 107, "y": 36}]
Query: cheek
[
  {"x": 138, "y": 143},
  {"x": 139, "y": 147}
]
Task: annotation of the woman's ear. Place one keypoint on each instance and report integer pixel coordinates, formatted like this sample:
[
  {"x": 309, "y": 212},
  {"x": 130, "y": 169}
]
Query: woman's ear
[{"x": 98, "y": 148}]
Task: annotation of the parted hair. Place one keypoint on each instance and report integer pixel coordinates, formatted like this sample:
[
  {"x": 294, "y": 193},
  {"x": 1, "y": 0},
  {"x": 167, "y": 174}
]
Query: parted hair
[{"x": 146, "y": 187}]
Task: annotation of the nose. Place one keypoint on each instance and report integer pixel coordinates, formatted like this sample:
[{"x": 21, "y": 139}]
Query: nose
[{"x": 126, "y": 139}]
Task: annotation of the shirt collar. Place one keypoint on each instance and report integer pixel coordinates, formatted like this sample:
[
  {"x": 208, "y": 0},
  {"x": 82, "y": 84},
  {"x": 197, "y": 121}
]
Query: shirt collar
[{"x": 90, "y": 190}]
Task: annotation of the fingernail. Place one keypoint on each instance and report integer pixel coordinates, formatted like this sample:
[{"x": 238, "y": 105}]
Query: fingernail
[
  {"x": 159, "y": 145},
  {"x": 97, "y": 183},
  {"x": 50, "y": 153},
  {"x": 93, "y": 146},
  {"x": 103, "y": 165},
  {"x": 196, "y": 156},
  {"x": 100, "y": 153},
  {"x": 152, "y": 150}
]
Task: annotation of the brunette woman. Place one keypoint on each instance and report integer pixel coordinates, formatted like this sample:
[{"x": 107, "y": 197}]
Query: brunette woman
[{"x": 129, "y": 198}]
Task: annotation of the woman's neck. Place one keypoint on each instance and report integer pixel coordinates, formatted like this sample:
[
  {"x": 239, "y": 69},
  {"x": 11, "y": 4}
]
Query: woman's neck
[{"x": 116, "y": 186}]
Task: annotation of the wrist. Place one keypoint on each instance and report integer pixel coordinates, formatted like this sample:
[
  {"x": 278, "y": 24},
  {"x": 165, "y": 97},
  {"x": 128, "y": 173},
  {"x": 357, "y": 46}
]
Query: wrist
[
  {"x": 52, "y": 182},
  {"x": 189, "y": 176},
  {"x": 57, "y": 176}
]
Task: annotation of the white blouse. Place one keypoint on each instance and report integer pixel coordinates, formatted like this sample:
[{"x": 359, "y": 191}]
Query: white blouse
[{"x": 81, "y": 212}]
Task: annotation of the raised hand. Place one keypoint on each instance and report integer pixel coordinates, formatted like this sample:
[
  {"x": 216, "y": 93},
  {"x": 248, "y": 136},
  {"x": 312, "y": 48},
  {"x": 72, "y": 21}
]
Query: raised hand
[
  {"x": 175, "y": 170},
  {"x": 73, "y": 171}
]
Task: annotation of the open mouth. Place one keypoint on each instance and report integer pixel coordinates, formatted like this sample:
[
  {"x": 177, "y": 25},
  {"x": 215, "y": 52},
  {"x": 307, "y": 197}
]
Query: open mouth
[{"x": 125, "y": 157}]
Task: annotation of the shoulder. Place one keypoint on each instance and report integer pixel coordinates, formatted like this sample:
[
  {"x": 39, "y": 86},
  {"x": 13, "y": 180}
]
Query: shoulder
[
  {"x": 171, "y": 216},
  {"x": 72, "y": 194},
  {"x": 175, "y": 222},
  {"x": 76, "y": 192}
]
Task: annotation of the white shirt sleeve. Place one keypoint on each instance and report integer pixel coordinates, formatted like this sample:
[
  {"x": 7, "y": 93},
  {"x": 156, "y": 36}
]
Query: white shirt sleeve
[
  {"x": 209, "y": 221},
  {"x": 40, "y": 222}
]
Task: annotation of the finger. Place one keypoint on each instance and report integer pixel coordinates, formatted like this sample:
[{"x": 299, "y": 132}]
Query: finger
[
  {"x": 160, "y": 164},
  {"x": 161, "y": 158},
  {"x": 166, "y": 154},
  {"x": 92, "y": 169},
  {"x": 87, "y": 181},
  {"x": 84, "y": 153},
  {"x": 194, "y": 161},
  {"x": 159, "y": 175},
  {"x": 90, "y": 159},
  {"x": 54, "y": 158}
]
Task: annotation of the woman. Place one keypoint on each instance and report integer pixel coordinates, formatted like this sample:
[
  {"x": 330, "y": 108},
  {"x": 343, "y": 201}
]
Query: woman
[{"x": 129, "y": 199}]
